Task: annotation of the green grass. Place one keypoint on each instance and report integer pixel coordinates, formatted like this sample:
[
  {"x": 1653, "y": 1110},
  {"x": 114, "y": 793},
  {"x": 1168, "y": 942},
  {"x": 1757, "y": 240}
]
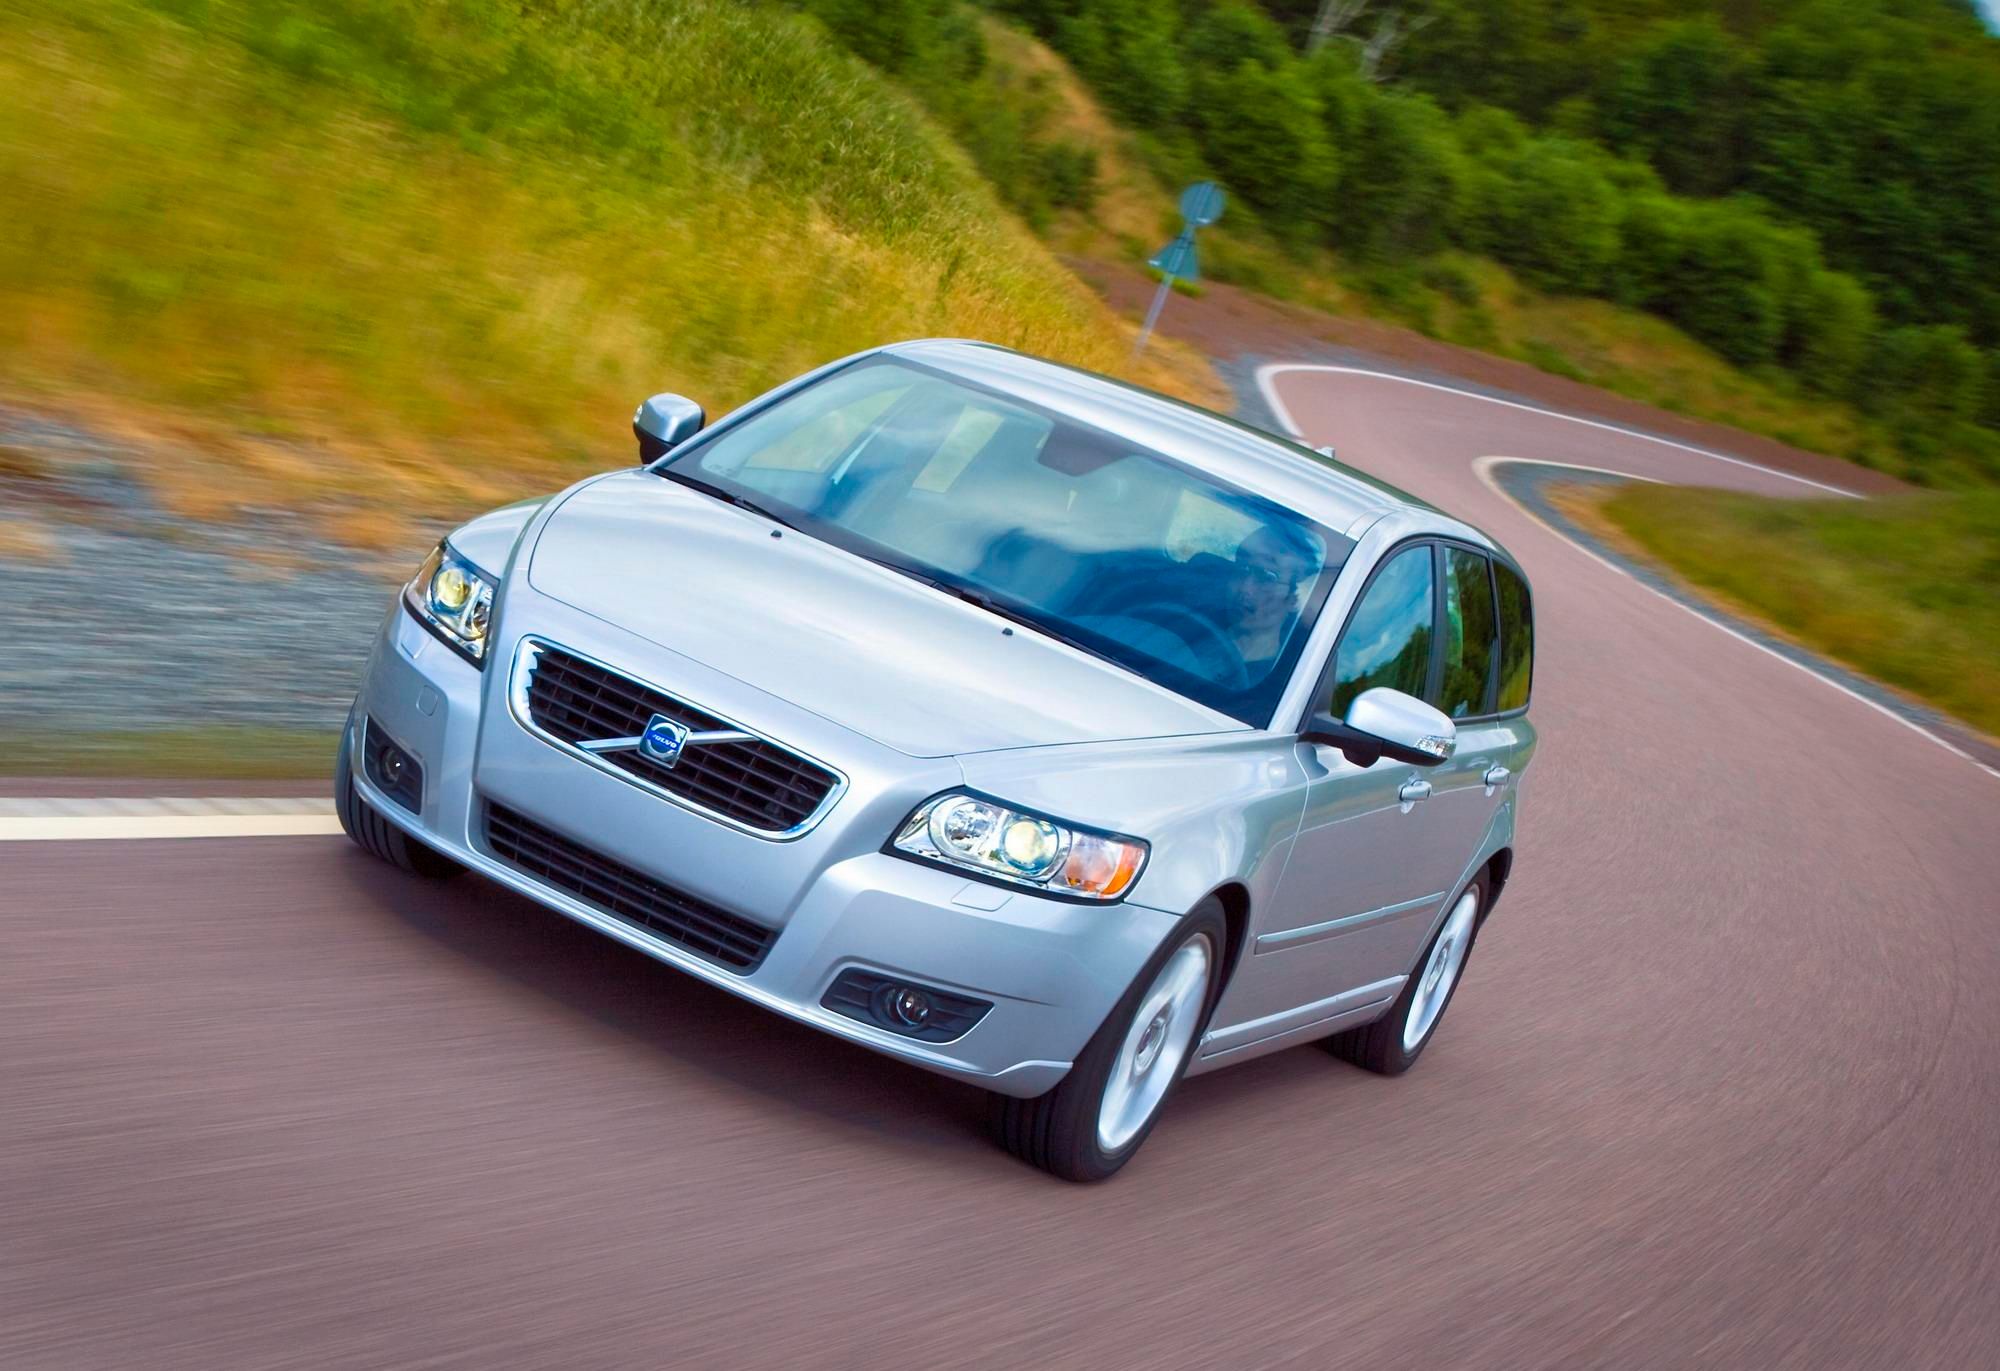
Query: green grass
[
  {"x": 396, "y": 253},
  {"x": 1906, "y": 590},
  {"x": 220, "y": 752}
]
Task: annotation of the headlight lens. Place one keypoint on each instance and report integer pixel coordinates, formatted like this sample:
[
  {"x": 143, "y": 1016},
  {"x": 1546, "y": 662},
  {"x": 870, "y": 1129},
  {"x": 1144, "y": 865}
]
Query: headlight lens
[
  {"x": 1023, "y": 849},
  {"x": 454, "y": 600}
]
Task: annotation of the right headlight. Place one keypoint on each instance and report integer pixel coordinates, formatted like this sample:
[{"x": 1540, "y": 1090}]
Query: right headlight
[
  {"x": 975, "y": 834},
  {"x": 454, "y": 600}
]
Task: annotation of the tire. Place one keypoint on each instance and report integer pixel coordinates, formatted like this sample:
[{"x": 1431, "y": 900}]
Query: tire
[
  {"x": 1078, "y": 1130},
  {"x": 374, "y": 834},
  {"x": 1391, "y": 1045}
]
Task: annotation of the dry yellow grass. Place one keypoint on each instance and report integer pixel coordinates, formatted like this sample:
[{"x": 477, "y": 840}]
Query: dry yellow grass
[
  {"x": 260, "y": 272},
  {"x": 23, "y": 540}
]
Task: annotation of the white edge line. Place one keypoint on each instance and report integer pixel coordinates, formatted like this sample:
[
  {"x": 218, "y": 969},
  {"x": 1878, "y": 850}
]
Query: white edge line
[
  {"x": 68, "y": 819},
  {"x": 74, "y": 829},
  {"x": 1269, "y": 390},
  {"x": 1483, "y": 468}
]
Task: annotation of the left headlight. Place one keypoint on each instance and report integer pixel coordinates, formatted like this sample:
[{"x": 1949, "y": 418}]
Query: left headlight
[
  {"x": 985, "y": 836},
  {"x": 454, "y": 600}
]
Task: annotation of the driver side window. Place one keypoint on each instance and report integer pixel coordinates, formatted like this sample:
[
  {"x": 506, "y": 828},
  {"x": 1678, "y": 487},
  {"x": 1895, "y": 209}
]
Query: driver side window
[{"x": 1388, "y": 640}]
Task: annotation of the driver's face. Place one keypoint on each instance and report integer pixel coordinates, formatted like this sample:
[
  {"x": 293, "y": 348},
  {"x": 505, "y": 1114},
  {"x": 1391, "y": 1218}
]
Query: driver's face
[{"x": 1267, "y": 577}]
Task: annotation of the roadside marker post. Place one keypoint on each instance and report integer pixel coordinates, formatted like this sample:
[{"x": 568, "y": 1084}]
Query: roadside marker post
[{"x": 1201, "y": 205}]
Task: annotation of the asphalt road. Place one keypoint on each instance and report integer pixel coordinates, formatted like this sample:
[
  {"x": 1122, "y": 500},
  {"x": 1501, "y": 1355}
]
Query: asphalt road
[{"x": 1719, "y": 1090}]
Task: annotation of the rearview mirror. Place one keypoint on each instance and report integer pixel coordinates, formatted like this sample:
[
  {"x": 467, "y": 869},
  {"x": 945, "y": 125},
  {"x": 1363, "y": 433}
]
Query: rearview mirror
[
  {"x": 1386, "y": 723},
  {"x": 663, "y": 421}
]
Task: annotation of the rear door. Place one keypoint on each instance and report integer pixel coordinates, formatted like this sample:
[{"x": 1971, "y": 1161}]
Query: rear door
[{"x": 1468, "y": 790}]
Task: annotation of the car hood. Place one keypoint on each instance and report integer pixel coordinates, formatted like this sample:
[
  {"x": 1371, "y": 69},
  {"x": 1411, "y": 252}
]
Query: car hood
[{"x": 861, "y": 645}]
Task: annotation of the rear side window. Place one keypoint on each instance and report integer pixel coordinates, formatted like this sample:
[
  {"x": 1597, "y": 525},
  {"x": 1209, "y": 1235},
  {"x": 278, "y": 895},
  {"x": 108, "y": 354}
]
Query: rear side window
[
  {"x": 1388, "y": 641},
  {"x": 1470, "y": 637},
  {"x": 1517, "y": 638}
]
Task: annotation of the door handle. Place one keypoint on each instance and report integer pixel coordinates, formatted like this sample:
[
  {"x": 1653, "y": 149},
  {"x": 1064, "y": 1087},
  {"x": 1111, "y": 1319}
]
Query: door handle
[
  {"x": 1414, "y": 790},
  {"x": 1497, "y": 775}
]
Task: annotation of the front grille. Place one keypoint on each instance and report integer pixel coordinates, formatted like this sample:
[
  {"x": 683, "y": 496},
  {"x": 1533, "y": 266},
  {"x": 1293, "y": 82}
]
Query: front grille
[
  {"x": 756, "y": 783},
  {"x": 615, "y": 888}
]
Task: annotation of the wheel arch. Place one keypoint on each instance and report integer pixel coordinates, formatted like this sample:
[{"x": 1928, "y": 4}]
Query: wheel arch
[
  {"x": 1498, "y": 868},
  {"x": 1234, "y": 897}
]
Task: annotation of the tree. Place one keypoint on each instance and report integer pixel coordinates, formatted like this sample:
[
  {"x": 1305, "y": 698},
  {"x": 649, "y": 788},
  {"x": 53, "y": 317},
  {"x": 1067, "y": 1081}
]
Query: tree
[
  {"x": 1730, "y": 288},
  {"x": 1400, "y": 178},
  {"x": 1680, "y": 101},
  {"x": 1831, "y": 322},
  {"x": 1262, "y": 132},
  {"x": 1927, "y": 372}
]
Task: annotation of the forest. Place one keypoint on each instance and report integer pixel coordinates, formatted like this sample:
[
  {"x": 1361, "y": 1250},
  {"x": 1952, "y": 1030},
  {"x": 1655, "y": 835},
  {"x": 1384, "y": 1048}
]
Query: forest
[{"x": 1810, "y": 187}]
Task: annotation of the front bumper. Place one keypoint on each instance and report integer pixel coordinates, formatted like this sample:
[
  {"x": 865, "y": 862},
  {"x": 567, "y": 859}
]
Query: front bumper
[{"x": 1051, "y": 969}]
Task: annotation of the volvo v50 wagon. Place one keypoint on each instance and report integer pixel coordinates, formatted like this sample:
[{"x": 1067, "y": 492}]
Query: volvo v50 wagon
[{"x": 1034, "y": 729}]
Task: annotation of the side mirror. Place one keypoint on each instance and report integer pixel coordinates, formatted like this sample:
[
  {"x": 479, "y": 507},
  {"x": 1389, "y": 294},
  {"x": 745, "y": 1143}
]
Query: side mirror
[
  {"x": 1386, "y": 723},
  {"x": 663, "y": 421}
]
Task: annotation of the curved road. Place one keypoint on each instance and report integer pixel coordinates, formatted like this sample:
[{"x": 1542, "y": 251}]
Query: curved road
[{"x": 1720, "y": 1089}]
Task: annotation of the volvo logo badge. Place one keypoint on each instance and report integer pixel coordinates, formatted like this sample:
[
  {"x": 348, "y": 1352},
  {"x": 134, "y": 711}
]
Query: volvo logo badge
[{"x": 663, "y": 740}]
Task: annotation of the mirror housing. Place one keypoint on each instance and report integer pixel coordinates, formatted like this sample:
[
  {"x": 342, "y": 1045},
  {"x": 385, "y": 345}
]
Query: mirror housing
[
  {"x": 1386, "y": 723},
  {"x": 664, "y": 421}
]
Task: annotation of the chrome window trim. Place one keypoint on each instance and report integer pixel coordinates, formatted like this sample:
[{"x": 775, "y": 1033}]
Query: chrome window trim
[{"x": 529, "y": 650}]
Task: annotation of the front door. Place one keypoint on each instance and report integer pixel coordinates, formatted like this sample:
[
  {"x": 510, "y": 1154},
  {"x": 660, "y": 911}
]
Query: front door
[{"x": 1369, "y": 868}]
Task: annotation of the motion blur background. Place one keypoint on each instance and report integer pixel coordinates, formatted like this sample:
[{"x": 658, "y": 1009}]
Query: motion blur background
[
  {"x": 290, "y": 287},
  {"x": 287, "y": 288}
]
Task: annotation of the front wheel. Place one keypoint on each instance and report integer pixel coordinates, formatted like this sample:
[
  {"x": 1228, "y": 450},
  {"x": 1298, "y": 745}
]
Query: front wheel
[
  {"x": 1392, "y": 1044},
  {"x": 1097, "y": 1116}
]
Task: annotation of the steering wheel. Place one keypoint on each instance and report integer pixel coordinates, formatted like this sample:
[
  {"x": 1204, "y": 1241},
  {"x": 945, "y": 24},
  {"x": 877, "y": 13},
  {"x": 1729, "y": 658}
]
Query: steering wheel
[{"x": 1209, "y": 644}]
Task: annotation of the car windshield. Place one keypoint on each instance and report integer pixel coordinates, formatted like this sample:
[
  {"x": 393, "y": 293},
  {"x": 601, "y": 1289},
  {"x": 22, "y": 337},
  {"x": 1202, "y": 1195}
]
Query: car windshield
[{"x": 1158, "y": 567}]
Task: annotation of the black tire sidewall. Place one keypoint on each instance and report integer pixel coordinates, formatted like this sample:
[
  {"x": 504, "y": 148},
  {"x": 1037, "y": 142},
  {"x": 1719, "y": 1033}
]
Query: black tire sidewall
[
  {"x": 1081, "y": 1093},
  {"x": 1404, "y": 1058}
]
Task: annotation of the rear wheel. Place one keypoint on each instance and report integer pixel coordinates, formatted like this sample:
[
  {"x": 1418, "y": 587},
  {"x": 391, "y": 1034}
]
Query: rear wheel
[
  {"x": 375, "y": 834},
  {"x": 1392, "y": 1044},
  {"x": 1098, "y": 1116}
]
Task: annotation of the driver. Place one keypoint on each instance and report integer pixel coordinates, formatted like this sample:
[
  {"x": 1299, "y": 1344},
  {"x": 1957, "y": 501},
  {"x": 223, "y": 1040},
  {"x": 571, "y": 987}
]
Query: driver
[{"x": 1262, "y": 598}]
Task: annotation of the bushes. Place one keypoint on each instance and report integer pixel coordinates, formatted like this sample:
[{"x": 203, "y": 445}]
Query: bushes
[
  {"x": 1068, "y": 174},
  {"x": 1678, "y": 101},
  {"x": 1553, "y": 215},
  {"x": 1261, "y": 131},
  {"x": 1652, "y": 251},
  {"x": 1832, "y": 321},
  {"x": 1401, "y": 180},
  {"x": 1926, "y": 373},
  {"x": 1685, "y": 108},
  {"x": 1730, "y": 288}
]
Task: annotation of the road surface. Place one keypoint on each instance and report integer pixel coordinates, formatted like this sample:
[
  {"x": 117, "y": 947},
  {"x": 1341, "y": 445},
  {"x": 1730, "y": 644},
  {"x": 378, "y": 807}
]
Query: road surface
[{"x": 1720, "y": 1088}]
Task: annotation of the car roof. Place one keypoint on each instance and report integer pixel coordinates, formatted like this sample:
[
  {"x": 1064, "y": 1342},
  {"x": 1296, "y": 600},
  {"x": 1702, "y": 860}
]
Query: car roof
[{"x": 1315, "y": 485}]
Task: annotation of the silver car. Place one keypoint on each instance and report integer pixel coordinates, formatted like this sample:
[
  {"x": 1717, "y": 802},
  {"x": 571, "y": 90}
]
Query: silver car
[{"x": 1034, "y": 729}]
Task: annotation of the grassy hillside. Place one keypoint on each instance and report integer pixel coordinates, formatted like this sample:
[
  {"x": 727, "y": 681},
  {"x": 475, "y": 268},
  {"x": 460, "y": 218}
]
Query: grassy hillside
[
  {"x": 1901, "y": 589},
  {"x": 391, "y": 253}
]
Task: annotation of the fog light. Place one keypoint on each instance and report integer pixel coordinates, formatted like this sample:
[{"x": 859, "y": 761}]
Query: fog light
[
  {"x": 908, "y": 1007},
  {"x": 396, "y": 773},
  {"x": 914, "y": 1011}
]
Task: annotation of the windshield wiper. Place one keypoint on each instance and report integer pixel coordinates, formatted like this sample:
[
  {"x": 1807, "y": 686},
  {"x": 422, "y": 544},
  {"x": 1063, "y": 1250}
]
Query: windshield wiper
[
  {"x": 727, "y": 496},
  {"x": 982, "y": 600}
]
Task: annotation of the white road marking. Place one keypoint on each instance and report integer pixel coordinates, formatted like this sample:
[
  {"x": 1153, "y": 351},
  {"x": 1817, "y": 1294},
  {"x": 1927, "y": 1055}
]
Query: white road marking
[
  {"x": 1270, "y": 393},
  {"x": 67, "y": 819},
  {"x": 1483, "y": 468}
]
